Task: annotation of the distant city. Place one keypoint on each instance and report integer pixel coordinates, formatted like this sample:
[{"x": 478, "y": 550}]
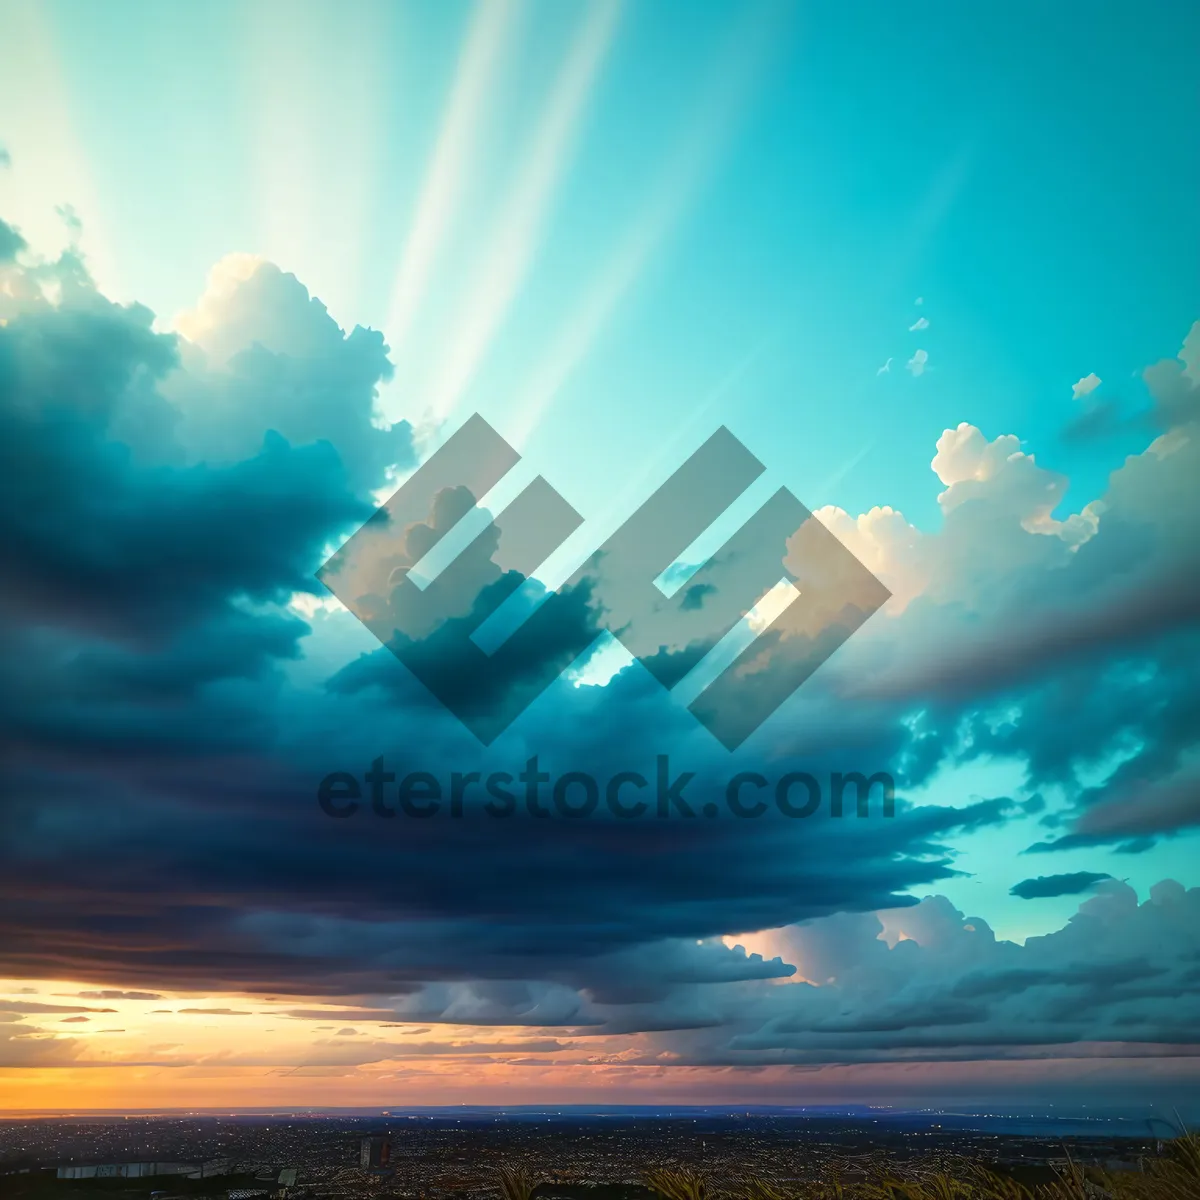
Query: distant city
[{"x": 451, "y": 1154}]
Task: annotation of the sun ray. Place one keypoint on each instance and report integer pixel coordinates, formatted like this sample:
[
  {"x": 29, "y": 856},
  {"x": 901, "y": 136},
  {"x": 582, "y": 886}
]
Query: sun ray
[
  {"x": 738, "y": 68},
  {"x": 50, "y": 168},
  {"x": 315, "y": 137},
  {"x": 514, "y": 241},
  {"x": 442, "y": 190}
]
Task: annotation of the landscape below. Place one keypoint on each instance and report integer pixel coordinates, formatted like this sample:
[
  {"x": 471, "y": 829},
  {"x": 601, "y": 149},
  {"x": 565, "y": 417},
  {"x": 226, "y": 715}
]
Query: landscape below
[{"x": 547, "y": 1155}]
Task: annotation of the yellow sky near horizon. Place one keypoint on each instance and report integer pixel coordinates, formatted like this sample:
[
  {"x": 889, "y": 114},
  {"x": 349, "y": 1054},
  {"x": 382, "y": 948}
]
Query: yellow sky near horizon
[{"x": 68, "y": 1047}]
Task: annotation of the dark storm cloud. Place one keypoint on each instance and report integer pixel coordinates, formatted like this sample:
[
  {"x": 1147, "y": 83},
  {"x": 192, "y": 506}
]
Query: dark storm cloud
[
  {"x": 1129, "y": 810},
  {"x": 445, "y": 660},
  {"x": 106, "y": 531},
  {"x": 1056, "y": 885},
  {"x": 1024, "y": 654},
  {"x": 170, "y": 718}
]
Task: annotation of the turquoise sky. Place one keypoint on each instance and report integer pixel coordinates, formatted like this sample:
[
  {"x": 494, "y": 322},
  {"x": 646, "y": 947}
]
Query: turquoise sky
[{"x": 651, "y": 207}]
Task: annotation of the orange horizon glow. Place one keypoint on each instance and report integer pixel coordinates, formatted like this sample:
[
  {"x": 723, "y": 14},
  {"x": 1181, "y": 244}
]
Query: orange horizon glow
[{"x": 231, "y": 1052}]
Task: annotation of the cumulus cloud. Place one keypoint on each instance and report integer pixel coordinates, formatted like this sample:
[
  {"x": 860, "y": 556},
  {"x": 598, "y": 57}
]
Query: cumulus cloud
[
  {"x": 259, "y": 353},
  {"x": 930, "y": 981},
  {"x": 1174, "y": 384},
  {"x": 173, "y": 491},
  {"x": 918, "y": 362},
  {"x": 1090, "y": 619},
  {"x": 1085, "y": 386},
  {"x": 923, "y": 981},
  {"x": 919, "y": 324}
]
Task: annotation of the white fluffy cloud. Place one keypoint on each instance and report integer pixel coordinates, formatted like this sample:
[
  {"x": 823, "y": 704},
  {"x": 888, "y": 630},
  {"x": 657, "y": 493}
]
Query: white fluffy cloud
[
  {"x": 933, "y": 983},
  {"x": 926, "y": 982},
  {"x": 259, "y": 353}
]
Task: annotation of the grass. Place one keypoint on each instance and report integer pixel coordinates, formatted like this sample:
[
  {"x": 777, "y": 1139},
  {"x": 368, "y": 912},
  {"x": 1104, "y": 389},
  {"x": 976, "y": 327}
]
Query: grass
[
  {"x": 1172, "y": 1175},
  {"x": 516, "y": 1183}
]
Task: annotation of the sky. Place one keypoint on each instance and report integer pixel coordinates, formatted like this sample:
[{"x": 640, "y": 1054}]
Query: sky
[{"x": 935, "y": 268}]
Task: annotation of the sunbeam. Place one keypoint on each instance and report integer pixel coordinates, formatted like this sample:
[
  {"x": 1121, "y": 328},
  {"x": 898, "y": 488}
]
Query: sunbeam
[
  {"x": 514, "y": 241},
  {"x": 39, "y": 132},
  {"x": 732, "y": 79},
  {"x": 315, "y": 136},
  {"x": 441, "y": 193}
]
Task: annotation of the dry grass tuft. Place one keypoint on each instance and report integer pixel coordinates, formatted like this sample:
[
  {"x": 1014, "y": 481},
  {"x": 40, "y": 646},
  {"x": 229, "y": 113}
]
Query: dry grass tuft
[
  {"x": 1172, "y": 1175},
  {"x": 516, "y": 1183}
]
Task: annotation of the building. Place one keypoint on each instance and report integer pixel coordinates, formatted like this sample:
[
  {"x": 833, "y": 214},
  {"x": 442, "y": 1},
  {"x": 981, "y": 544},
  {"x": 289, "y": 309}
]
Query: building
[
  {"x": 374, "y": 1153},
  {"x": 127, "y": 1170}
]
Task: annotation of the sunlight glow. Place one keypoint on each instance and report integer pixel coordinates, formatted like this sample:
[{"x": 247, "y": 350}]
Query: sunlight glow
[
  {"x": 40, "y": 134},
  {"x": 694, "y": 157},
  {"x": 518, "y": 232},
  {"x": 444, "y": 184},
  {"x": 315, "y": 135}
]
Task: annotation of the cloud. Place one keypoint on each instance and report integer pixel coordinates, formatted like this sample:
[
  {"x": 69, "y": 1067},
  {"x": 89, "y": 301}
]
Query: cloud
[
  {"x": 1019, "y": 628},
  {"x": 1104, "y": 419},
  {"x": 885, "y": 369},
  {"x": 1131, "y": 810},
  {"x": 929, "y": 982},
  {"x": 1085, "y": 386},
  {"x": 260, "y": 357},
  {"x": 22, "y": 1047},
  {"x": 919, "y": 324},
  {"x": 11, "y": 243},
  {"x": 1174, "y": 384},
  {"x": 343, "y": 1014},
  {"x": 110, "y": 994},
  {"x": 917, "y": 363},
  {"x": 217, "y": 1012},
  {"x": 170, "y": 718},
  {"x": 37, "y": 1007},
  {"x": 1057, "y": 885}
]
